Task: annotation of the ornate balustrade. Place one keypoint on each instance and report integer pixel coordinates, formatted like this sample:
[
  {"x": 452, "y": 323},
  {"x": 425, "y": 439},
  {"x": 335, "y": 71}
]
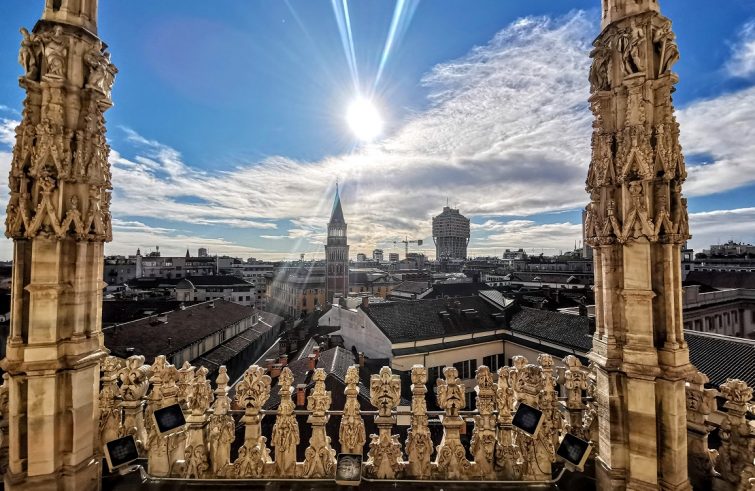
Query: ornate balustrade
[
  {"x": 131, "y": 391},
  {"x": 721, "y": 441},
  {"x": 720, "y": 423}
]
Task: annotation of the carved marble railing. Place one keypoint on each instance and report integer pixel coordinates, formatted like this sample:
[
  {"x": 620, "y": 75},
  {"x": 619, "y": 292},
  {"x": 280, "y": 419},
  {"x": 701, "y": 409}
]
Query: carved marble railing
[
  {"x": 732, "y": 465},
  {"x": 131, "y": 391}
]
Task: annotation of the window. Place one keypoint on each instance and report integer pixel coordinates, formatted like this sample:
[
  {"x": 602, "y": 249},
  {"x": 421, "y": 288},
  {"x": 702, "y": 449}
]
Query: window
[
  {"x": 434, "y": 373},
  {"x": 466, "y": 368},
  {"x": 494, "y": 362}
]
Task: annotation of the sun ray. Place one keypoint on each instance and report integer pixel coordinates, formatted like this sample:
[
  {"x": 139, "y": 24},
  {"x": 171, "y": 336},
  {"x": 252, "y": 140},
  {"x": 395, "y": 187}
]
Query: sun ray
[{"x": 402, "y": 17}]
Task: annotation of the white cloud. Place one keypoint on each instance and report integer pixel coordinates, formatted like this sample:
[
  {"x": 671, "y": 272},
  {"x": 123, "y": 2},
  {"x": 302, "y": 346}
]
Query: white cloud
[
  {"x": 720, "y": 131},
  {"x": 549, "y": 238},
  {"x": 8, "y": 131},
  {"x": 742, "y": 62},
  {"x": 506, "y": 133},
  {"x": 717, "y": 226},
  {"x": 131, "y": 235}
]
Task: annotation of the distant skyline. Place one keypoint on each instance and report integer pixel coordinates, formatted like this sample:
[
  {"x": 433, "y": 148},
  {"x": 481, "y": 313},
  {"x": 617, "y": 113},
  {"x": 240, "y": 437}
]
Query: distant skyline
[{"x": 229, "y": 130}]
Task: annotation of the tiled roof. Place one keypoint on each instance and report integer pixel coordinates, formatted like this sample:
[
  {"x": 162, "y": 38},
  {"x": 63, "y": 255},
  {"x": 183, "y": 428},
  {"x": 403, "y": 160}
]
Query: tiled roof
[
  {"x": 722, "y": 279},
  {"x": 415, "y": 287},
  {"x": 336, "y": 361},
  {"x": 183, "y": 328},
  {"x": 565, "y": 329},
  {"x": 448, "y": 345},
  {"x": 441, "y": 290},
  {"x": 225, "y": 352},
  {"x": 422, "y": 319},
  {"x": 571, "y": 278},
  {"x": 722, "y": 357},
  {"x": 219, "y": 280},
  {"x": 119, "y": 311},
  {"x": 496, "y": 298}
]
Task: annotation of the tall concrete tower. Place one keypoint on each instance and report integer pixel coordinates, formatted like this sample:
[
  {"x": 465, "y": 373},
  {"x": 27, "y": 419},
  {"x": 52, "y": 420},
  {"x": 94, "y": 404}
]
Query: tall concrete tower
[
  {"x": 59, "y": 218},
  {"x": 637, "y": 223},
  {"x": 336, "y": 253},
  {"x": 450, "y": 234}
]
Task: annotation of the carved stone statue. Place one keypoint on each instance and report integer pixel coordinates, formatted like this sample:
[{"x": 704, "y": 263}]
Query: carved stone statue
[
  {"x": 664, "y": 41},
  {"x": 27, "y": 55},
  {"x": 56, "y": 53},
  {"x": 98, "y": 65},
  {"x": 631, "y": 44}
]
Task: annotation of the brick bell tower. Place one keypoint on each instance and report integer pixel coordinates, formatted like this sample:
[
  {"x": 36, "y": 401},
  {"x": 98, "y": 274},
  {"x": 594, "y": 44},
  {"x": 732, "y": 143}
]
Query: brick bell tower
[
  {"x": 336, "y": 253},
  {"x": 58, "y": 217}
]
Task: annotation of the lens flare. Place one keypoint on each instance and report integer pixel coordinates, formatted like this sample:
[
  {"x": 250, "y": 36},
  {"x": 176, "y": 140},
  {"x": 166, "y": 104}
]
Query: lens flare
[{"x": 364, "y": 120}]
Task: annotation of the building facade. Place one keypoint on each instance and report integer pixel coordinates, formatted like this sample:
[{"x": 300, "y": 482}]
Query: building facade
[
  {"x": 336, "y": 253},
  {"x": 294, "y": 291},
  {"x": 730, "y": 312},
  {"x": 229, "y": 288},
  {"x": 450, "y": 234}
]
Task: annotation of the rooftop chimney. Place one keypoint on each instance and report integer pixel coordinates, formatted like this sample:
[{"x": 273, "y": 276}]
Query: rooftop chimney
[
  {"x": 312, "y": 361},
  {"x": 365, "y": 301},
  {"x": 361, "y": 359},
  {"x": 301, "y": 395}
]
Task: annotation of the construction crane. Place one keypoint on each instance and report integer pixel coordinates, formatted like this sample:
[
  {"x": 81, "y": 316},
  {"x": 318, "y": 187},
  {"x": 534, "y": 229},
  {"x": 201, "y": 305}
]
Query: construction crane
[{"x": 406, "y": 243}]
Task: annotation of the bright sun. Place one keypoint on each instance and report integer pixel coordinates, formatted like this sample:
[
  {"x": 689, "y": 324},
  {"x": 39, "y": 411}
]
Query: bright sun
[{"x": 364, "y": 120}]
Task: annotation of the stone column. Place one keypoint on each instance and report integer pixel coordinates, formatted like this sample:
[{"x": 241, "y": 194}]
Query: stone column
[
  {"x": 419, "y": 445},
  {"x": 285, "y": 435},
  {"x": 351, "y": 432},
  {"x": 451, "y": 461},
  {"x": 195, "y": 452},
  {"x": 483, "y": 436},
  {"x": 58, "y": 217},
  {"x": 637, "y": 221},
  {"x": 251, "y": 394},
  {"x": 385, "y": 460},
  {"x": 319, "y": 457}
]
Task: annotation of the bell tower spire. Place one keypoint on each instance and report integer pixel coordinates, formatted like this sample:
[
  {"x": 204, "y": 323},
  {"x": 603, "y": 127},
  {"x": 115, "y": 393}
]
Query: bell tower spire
[
  {"x": 336, "y": 253},
  {"x": 58, "y": 216},
  {"x": 637, "y": 223}
]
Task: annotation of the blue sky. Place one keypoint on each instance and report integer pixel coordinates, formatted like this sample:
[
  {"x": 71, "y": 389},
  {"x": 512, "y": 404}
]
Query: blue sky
[{"x": 228, "y": 130}]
